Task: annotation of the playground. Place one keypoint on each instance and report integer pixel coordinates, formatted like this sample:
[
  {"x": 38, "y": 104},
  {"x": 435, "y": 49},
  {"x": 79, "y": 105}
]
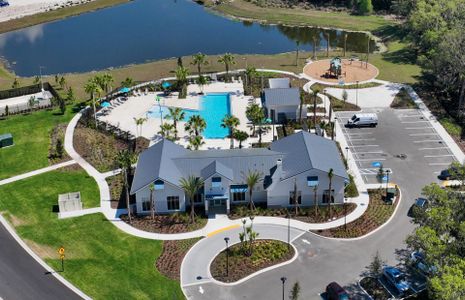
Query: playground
[{"x": 336, "y": 70}]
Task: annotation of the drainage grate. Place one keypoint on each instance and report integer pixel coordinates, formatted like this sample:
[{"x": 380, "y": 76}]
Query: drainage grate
[{"x": 401, "y": 156}]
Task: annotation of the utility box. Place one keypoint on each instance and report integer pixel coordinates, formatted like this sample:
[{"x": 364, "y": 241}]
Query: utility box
[
  {"x": 69, "y": 202},
  {"x": 6, "y": 140}
]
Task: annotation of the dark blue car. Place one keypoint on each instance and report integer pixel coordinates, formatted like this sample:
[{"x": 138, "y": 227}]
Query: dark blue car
[
  {"x": 396, "y": 278},
  {"x": 4, "y": 3}
]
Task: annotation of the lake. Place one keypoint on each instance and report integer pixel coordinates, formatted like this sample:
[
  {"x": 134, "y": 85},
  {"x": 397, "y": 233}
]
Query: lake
[{"x": 145, "y": 30}]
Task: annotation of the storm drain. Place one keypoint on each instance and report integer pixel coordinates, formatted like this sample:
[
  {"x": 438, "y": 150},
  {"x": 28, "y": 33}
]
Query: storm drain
[{"x": 401, "y": 156}]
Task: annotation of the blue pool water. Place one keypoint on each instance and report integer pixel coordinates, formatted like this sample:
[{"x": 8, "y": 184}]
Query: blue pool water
[{"x": 213, "y": 108}]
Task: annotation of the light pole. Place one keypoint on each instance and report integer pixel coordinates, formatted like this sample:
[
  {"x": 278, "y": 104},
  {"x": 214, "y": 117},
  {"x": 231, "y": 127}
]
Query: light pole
[
  {"x": 226, "y": 239},
  {"x": 333, "y": 133},
  {"x": 387, "y": 180},
  {"x": 356, "y": 94},
  {"x": 288, "y": 229},
  {"x": 345, "y": 214},
  {"x": 41, "y": 83},
  {"x": 347, "y": 155},
  {"x": 283, "y": 280}
]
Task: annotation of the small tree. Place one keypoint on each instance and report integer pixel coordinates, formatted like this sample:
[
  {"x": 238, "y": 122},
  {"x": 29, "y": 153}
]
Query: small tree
[
  {"x": 56, "y": 79},
  {"x": 59, "y": 150},
  {"x": 376, "y": 266},
  {"x": 252, "y": 178},
  {"x": 31, "y": 102},
  {"x": 457, "y": 170},
  {"x": 240, "y": 136},
  {"x": 62, "y": 105},
  {"x": 365, "y": 7},
  {"x": 15, "y": 83},
  {"x": 345, "y": 96},
  {"x": 295, "y": 291},
  {"x": 36, "y": 80},
  {"x": 62, "y": 82},
  {"x": 70, "y": 97},
  {"x": 152, "y": 200},
  {"x": 7, "y": 110},
  {"x": 191, "y": 186}
]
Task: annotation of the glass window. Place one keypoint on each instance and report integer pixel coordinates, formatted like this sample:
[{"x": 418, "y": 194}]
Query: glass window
[
  {"x": 198, "y": 198},
  {"x": 238, "y": 192},
  {"x": 216, "y": 182},
  {"x": 173, "y": 202},
  {"x": 326, "y": 196},
  {"x": 145, "y": 204},
  {"x": 312, "y": 181},
  {"x": 291, "y": 197},
  {"x": 159, "y": 185}
]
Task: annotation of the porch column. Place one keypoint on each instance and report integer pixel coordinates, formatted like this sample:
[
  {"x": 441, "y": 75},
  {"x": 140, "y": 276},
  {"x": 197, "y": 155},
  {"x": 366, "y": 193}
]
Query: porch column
[
  {"x": 206, "y": 206},
  {"x": 227, "y": 206}
]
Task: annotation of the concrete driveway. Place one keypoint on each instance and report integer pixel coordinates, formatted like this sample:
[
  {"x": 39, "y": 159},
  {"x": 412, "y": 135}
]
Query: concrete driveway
[{"x": 324, "y": 260}]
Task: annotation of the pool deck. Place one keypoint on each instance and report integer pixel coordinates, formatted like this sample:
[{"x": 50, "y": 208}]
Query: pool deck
[{"x": 138, "y": 106}]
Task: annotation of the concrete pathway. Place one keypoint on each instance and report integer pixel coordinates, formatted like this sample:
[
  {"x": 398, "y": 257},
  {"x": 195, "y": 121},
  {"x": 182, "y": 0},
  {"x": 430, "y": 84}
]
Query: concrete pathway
[{"x": 37, "y": 172}]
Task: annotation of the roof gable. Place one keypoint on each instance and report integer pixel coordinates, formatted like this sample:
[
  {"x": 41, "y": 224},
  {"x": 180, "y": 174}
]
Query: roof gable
[{"x": 216, "y": 167}]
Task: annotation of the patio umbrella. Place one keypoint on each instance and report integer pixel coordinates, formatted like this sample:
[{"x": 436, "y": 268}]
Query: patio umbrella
[
  {"x": 105, "y": 104},
  {"x": 376, "y": 164},
  {"x": 124, "y": 90},
  {"x": 166, "y": 84}
]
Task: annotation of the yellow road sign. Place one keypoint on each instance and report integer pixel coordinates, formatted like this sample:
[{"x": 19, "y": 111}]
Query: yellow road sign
[
  {"x": 61, "y": 251},
  {"x": 62, "y": 256}
]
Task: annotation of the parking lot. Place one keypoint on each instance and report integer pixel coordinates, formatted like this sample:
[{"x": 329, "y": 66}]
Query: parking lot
[{"x": 402, "y": 137}]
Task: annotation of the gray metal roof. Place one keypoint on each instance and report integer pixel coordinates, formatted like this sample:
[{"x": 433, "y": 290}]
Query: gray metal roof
[
  {"x": 156, "y": 162},
  {"x": 282, "y": 96},
  {"x": 216, "y": 167},
  {"x": 276, "y": 83},
  {"x": 305, "y": 151}
]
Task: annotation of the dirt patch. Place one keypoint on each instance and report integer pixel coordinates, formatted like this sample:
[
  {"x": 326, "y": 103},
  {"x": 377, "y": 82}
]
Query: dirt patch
[
  {"x": 15, "y": 221},
  {"x": 117, "y": 193},
  {"x": 352, "y": 71},
  {"x": 170, "y": 260},
  {"x": 174, "y": 223},
  {"x": 265, "y": 253},
  {"x": 44, "y": 251}
]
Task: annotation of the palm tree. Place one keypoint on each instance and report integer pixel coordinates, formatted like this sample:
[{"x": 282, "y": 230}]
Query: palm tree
[
  {"x": 107, "y": 82},
  {"x": 252, "y": 178},
  {"x": 191, "y": 186},
  {"x": 176, "y": 114},
  {"x": 31, "y": 102},
  {"x": 166, "y": 130},
  {"x": 345, "y": 44},
  {"x": 139, "y": 122},
  {"x": 314, "y": 38},
  {"x": 181, "y": 77},
  {"x": 125, "y": 159},
  {"x": 199, "y": 60},
  {"x": 152, "y": 200},
  {"x": 315, "y": 96},
  {"x": 250, "y": 73},
  {"x": 345, "y": 96},
  {"x": 227, "y": 59},
  {"x": 15, "y": 84},
  {"x": 327, "y": 44},
  {"x": 240, "y": 136},
  {"x": 315, "y": 190},
  {"x": 230, "y": 122},
  {"x": 302, "y": 100},
  {"x": 195, "y": 142},
  {"x": 254, "y": 114},
  {"x": 330, "y": 177},
  {"x": 296, "y": 199},
  {"x": 202, "y": 81},
  {"x": 128, "y": 82},
  {"x": 92, "y": 88},
  {"x": 195, "y": 125},
  {"x": 297, "y": 44}
]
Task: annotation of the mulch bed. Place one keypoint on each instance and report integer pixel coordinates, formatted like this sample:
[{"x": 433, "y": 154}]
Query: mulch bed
[
  {"x": 170, "y": 260},
  {"x": 117, "y": 193},
  {"x": 378, "y": 213},
  {"x": 57, "y": 133},
  {"x": 266, "y": 253},
  {"x": 305, "y": 214},
  {"x": 174, "y": 223},
  {"x": 374, "y": 288}
]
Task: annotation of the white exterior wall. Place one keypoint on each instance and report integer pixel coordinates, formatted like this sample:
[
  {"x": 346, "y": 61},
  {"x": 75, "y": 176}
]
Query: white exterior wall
[
  {"x": 224, "y": 189},
  {"x": 279, "y": 195},
  {"x": 291, "y": 111},
  {"x": 161, "y": 205}
]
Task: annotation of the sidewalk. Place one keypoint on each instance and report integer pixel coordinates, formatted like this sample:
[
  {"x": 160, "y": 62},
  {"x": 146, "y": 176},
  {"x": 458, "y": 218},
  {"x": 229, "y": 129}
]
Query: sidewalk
[{"x": 37, "y": 172}]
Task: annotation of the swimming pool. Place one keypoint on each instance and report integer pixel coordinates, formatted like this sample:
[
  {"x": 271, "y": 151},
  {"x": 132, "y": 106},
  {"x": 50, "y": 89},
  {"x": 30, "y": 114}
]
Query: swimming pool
[{"x": 213, "y": 108}]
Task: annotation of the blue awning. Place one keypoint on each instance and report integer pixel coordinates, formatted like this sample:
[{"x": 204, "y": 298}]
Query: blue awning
[
  {"x": 124, "y": 90},
  {"x": 215, "y": 196},
  {"x": 239, "y": 188}
]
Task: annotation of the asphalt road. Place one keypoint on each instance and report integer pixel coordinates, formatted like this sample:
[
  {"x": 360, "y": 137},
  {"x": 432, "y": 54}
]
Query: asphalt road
[
  {"x": 22, "y": 278},
  {"x": 324, "y": 260}
]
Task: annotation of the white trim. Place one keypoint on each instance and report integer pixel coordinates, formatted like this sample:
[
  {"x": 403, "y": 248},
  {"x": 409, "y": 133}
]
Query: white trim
[{"x": 52, "y": 272}]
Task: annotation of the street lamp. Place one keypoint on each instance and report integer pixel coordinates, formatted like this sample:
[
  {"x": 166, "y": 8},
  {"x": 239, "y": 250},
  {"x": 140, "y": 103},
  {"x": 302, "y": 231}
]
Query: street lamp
[
  {"x": 356, "y": 94},
  {"x": 288, "y": 229},
  {"x": 283, "y": 280},
  {"x": 333, "y": 133},
  {"x": 345, "y": 214},
  {"x": 347, "y": 155},
  {"x": 226, "y": 239}
]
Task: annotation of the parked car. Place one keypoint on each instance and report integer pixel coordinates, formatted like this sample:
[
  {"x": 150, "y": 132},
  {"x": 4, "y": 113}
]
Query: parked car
[
  {"x": 335, "y": 292},
  {"x": 395, "y": 277},
  {"x": 418, "y": 260},
  {"x": 446, "y": 175},
  {"x": 419, "y": 205},
  {"x": 359, "y": 120},
  {"x": 4, "y": 3}
]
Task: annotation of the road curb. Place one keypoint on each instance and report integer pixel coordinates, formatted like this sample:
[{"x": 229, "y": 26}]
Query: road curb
[{"x": 52, "y": 272}]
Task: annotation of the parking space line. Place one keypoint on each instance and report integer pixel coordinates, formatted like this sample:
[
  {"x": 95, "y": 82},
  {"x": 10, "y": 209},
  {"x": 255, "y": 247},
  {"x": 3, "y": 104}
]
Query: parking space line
[
  {"x": 442, "y": 155},
  {"x": 370, "y": 159},
  {"x": 426, "y": 133},
  {"x": 439, "y": 164},
  {"x": 433, "y": 148},
  {"x": 372, "y": 152},
  {"x": 355, "y": 146},
  {"x": 368, "y": 139},
  {"x": 427, "y": 141},
  {"x": 410, "y": 116},
  {"x": 413, "y": 122},
  {"x": 359, "y": 133},
  {"x": 418, "y": 128}
]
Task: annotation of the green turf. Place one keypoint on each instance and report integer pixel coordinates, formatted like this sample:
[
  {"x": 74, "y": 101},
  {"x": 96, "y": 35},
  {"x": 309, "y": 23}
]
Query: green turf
[
  {"x": 31, "y": 135},
  {"x": 102, "y": 261}
]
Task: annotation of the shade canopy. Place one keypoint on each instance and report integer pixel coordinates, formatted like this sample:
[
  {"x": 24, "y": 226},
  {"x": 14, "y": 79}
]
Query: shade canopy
[
  {"x": 105, "y": 104},
  {"x": 124, "y": 90}
]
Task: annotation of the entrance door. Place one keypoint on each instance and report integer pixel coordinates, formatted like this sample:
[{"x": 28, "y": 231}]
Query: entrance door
[{"x": 217, "y": 206}]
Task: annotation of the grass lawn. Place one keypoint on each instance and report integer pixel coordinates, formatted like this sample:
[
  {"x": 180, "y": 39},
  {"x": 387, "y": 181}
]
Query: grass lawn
[
  {"x": 56, "y": 14},
  {"x": 247, "y": 10},
  {"x": 102, "y": 261},
  {"x": 31, "y": 135}
]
